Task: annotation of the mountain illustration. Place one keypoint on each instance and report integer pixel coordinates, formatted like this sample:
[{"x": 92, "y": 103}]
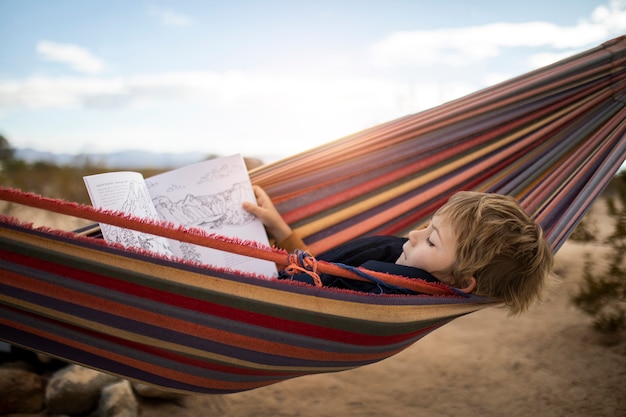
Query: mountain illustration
[
  {"x": 135, "y": 203},
  {"x": 206, "y": 211}
]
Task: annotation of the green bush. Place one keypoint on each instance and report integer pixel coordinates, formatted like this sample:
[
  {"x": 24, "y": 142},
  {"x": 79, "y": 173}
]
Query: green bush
[
  {"x": 603, "y": 295},
  {"x": 584, "y": 232}
]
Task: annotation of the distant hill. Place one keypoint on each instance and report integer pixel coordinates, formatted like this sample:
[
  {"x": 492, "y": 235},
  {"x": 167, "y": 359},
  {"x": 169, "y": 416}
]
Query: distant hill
[{"x": 124, "y": 159}]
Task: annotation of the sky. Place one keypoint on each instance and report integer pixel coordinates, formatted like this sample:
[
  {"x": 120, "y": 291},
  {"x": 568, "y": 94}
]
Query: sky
[{"x": 266, "y": 79}]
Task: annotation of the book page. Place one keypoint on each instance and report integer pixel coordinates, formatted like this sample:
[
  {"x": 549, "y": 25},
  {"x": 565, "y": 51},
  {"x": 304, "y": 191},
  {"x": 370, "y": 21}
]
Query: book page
[
  {"x": 125, "y": 192},
  {"x": 208, "y": 195}
]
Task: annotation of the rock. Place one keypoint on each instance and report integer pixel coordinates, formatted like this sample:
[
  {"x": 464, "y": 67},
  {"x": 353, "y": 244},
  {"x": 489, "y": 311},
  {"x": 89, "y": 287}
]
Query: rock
[
  {"x": 147, "y": 391},
  {"x": 21, "y": 365},
  {"x": 75, "y": 390},
  {"x": 29, "y": 361},
  {"x": 118, "y": 400},
  {"x": 20, "y": 391},
  {"x": 44, "y": 358}
]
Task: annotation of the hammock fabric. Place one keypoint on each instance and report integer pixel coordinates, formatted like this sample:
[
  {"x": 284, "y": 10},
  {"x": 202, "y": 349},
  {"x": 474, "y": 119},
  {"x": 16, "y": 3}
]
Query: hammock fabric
[{"x": 552, "y": 138}]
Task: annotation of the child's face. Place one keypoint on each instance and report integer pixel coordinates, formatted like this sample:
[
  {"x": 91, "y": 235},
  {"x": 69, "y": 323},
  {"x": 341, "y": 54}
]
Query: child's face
[{"x": 432, "y": 249}]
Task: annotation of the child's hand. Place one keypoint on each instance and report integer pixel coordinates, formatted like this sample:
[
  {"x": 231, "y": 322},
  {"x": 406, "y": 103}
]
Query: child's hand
[{"x": 267, "y": 213}]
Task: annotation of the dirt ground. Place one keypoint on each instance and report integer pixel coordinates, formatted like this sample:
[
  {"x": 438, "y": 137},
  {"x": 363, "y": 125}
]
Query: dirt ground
[{"x": 547, "y": 362}]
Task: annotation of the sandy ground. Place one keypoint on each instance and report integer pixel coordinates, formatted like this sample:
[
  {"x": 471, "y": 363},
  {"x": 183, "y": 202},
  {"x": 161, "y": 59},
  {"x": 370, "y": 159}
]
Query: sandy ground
[{"x": 547, "y": 362}]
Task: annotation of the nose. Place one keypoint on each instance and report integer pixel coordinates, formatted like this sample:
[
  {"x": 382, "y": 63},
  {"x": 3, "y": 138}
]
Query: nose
[{"x": 414, "y": 236}]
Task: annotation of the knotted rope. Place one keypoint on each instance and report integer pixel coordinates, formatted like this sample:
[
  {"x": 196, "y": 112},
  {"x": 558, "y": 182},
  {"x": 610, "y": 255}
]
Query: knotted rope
[{"x": 302, "y": 262}]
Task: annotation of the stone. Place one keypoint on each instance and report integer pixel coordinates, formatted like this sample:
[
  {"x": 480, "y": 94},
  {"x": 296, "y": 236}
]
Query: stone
[
  {"x": 118, "y": 400},
  {"x": 76, "y": 390},
  {"x": 20, "y": 391},
  {"x": 19, "y": 364},
  {"x": 44, "y": 358},
  {"x": 148, "y": 391}
]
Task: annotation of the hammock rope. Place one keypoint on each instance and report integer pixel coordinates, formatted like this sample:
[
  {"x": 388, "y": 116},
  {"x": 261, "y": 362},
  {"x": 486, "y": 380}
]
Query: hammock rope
[{"x": 552, "y": 138}]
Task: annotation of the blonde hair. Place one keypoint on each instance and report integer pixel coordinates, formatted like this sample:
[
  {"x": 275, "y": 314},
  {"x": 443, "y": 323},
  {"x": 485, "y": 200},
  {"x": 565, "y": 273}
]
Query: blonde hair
[{"x": 501, "y": 246}]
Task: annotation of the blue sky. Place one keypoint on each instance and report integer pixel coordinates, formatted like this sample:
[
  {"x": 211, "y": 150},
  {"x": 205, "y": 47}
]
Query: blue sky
[{"x": 263, "y": 78}]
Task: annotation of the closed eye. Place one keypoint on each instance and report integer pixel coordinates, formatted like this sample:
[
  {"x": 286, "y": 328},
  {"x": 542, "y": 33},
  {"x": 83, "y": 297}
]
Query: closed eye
[{"x": 429, "y": 242}]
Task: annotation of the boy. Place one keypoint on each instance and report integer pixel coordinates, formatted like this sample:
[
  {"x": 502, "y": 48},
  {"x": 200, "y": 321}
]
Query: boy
[{"x": 478, "y": 243}]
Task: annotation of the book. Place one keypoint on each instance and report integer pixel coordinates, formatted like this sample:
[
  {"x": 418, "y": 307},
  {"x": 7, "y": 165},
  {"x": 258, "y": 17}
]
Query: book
[{"x": 207, "y": 195}]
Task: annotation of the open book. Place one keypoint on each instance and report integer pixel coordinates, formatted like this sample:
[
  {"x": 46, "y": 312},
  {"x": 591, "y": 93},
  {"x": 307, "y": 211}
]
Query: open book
[{"x": 207, "y": 195}]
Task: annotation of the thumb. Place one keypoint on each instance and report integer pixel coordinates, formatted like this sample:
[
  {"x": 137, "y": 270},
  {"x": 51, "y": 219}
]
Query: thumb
[{"x": 249, "y": 207}]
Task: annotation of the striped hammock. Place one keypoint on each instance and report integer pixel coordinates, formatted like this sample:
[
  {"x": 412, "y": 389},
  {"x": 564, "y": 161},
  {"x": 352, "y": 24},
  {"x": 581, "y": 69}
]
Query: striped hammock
[{"x": 552, "y": 138}]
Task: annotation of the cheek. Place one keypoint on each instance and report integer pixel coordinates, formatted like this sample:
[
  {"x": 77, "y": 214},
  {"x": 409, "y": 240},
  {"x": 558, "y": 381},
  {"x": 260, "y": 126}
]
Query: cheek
[
  {"x": 448, "y": 262},
  {"x": 418, "y": 259}
]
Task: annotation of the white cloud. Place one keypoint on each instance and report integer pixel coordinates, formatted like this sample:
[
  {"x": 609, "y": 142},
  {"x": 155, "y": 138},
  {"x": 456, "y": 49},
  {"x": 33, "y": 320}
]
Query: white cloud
[
  {"x": 612, "y": 17},
  {"x": 219, "y": 89},
  {"x": 546, "y": 58},
  {"x": 465, "y": 45},
  {"x": 55, "y": 92},
  {"x": 492, "y": 78},
  {"x": 170, "y": 18},
  {"x": 210, "y": 104},
  {"x": 78, "y": 58}
]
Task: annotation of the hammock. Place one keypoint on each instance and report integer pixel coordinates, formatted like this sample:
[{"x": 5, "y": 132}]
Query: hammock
[{"x": 552, "y": 138}]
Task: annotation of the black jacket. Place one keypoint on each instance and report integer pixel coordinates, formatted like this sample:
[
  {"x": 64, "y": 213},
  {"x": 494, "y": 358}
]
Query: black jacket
[{"x": 377, "y": 253}]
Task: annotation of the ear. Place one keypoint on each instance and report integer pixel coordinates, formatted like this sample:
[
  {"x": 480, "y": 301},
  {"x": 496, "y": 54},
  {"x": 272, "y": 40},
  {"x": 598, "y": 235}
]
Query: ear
[{"x": 470, "y": 285}]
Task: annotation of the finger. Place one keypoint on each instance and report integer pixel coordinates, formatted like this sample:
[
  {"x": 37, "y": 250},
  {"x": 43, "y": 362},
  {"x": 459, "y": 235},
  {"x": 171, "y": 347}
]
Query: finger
[{"x": 249, "y": 207}]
